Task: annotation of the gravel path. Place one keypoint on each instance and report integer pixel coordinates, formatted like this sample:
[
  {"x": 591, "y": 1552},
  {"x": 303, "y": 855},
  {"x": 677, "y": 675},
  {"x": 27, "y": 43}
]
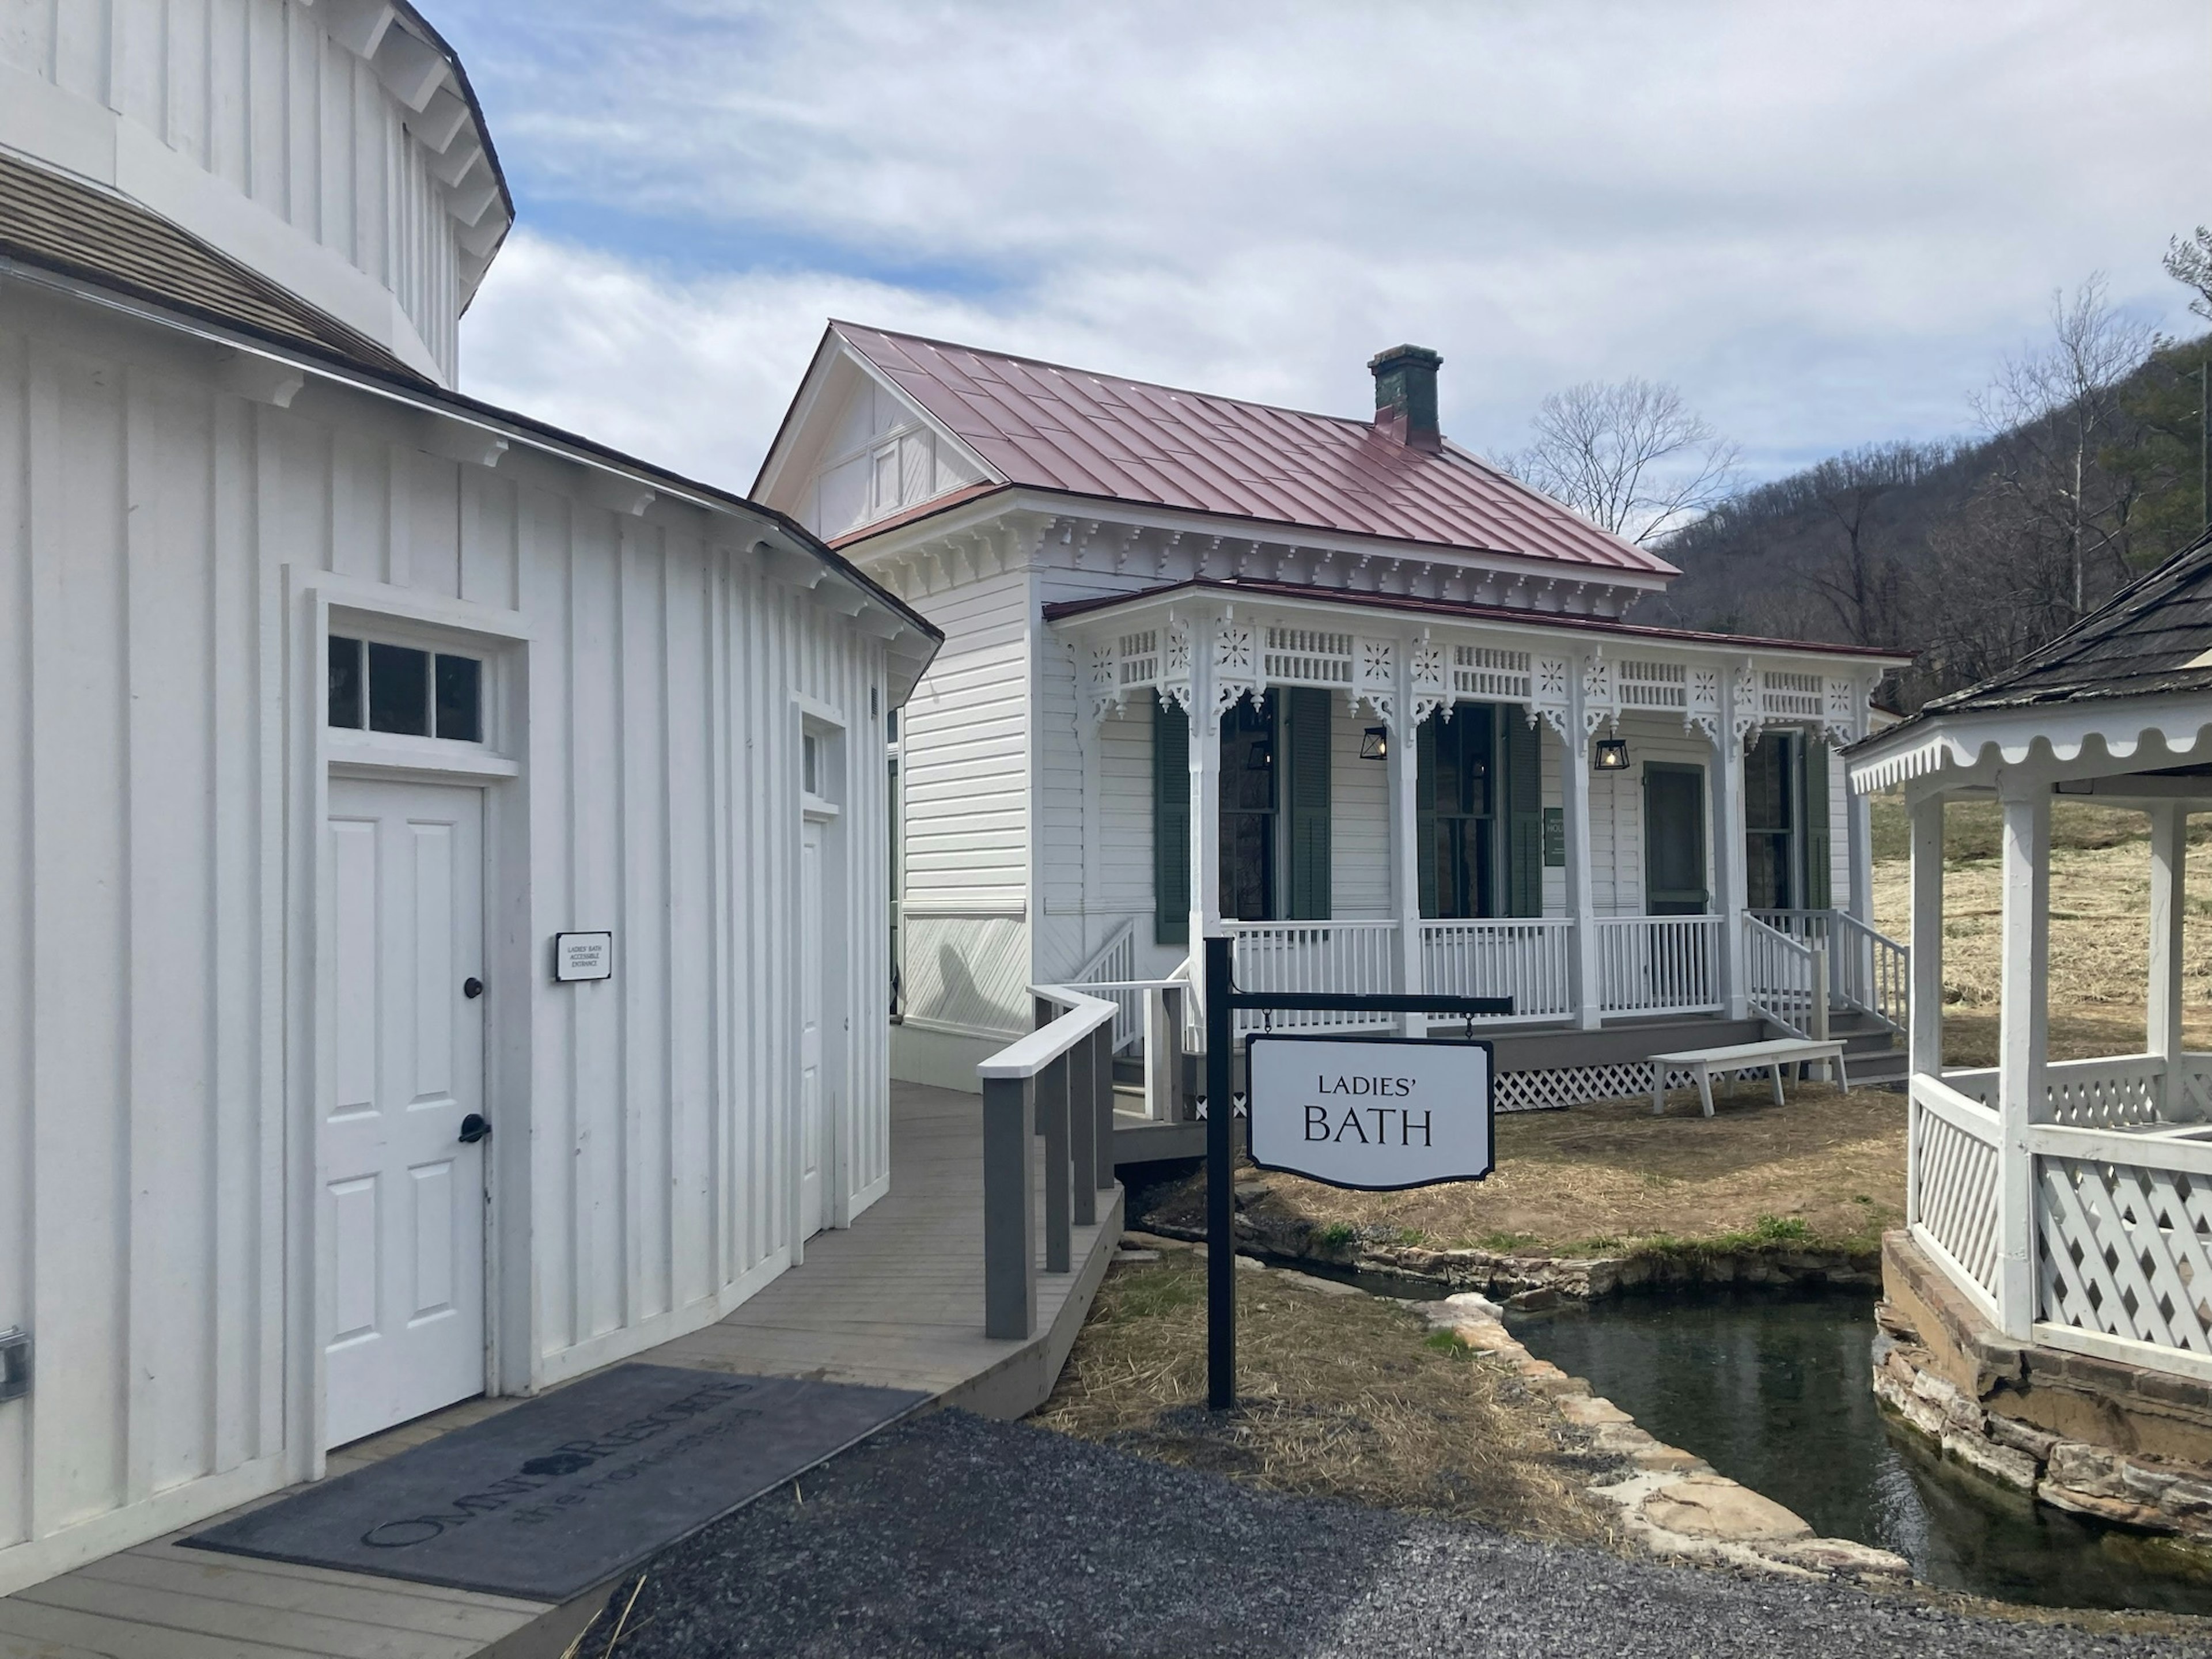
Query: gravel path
[{"x": 952, "y": 1535}]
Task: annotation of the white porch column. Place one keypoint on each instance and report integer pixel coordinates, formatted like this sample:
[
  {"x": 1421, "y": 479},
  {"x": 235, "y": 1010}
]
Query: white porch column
[
  {"x": 1925, "y": 1021},
  {"x": 1858, "y": 830},
  {"x": 1403, "y": 758},
  {"x": 1730, "y": 879},
  {"x": 1204, "y": 798},
  {"x": 2020, "y": 1051},
  {"x": 1582, "y": 901},
  {"x": 2169, "y": 850}
]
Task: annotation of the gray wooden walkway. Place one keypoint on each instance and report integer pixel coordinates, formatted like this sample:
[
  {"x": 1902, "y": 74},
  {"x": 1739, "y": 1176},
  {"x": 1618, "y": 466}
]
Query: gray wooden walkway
[{"x": 896, "y": 1300}]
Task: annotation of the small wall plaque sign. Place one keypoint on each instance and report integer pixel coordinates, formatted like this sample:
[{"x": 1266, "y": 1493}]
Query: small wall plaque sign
[
  {"x": 1555, "y": 837},
  {"x": 583, "y": 955}
]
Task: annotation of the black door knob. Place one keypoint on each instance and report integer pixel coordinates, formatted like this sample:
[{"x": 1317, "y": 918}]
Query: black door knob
[
  {"x": 472, "y": 988},
  {"x": 475, "y": 1127}
]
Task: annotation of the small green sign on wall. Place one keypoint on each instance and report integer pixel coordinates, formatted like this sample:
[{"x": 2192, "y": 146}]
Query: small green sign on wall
[{"x": 1555, "y": 837}]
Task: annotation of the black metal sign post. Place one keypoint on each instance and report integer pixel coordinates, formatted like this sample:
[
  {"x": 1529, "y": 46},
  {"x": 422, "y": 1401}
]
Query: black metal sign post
[{"x": 1222, "y": 1000}]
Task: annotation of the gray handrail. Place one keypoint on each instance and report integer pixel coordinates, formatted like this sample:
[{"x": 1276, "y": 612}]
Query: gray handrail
[{"x": 1054, "y": 1085}]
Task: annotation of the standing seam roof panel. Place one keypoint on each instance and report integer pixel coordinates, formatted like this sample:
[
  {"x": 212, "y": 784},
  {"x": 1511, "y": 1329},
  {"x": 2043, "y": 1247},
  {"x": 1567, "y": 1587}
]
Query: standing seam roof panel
[{"x": 1050, "y": 426}]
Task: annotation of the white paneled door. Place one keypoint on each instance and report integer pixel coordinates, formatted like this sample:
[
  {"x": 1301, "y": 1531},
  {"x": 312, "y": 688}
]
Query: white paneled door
[
  {"x": 403, "y": 1199},
  {"x": 811, "y": 1016}
]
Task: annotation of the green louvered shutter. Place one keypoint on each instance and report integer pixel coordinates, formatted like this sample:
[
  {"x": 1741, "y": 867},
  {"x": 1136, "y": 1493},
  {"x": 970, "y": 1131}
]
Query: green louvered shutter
[
  {"x": 1170, "y": 824},
  {"x": 1424, "y": 814},
  {"x": 1305, "y": 738},
  {"x": 1524, "y": 815},
  {"x": 1816, "y": 824}
]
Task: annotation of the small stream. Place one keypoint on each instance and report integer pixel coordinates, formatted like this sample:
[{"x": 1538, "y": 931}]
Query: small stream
[{"x": 1772, "y": 1390}]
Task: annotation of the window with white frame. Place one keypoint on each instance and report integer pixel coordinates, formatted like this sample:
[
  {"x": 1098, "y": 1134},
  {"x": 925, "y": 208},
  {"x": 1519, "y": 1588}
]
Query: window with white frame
[{"x": 404, "y": 691}]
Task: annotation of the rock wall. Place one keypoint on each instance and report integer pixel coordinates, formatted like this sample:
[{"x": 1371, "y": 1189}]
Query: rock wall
[{"x": 2120, "y": 1443}]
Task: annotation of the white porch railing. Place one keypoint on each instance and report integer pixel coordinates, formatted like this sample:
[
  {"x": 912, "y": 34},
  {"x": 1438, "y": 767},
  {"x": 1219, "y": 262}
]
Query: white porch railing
[
  {"x": 1354, "y": 957},
  {"x": 1529, "y": 959},
  {"x": 1658, "y": 964},
  {"x": 1951, "y": 1198},
  {"x": 1784, "y": 981}
]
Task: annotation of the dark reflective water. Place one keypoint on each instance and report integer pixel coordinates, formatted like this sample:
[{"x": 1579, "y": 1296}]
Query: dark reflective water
[{"x": 1772, "y": 1390}]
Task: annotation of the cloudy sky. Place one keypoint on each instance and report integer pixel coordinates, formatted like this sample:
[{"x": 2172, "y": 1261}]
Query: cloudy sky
[{"x": 1825, "y": 223}]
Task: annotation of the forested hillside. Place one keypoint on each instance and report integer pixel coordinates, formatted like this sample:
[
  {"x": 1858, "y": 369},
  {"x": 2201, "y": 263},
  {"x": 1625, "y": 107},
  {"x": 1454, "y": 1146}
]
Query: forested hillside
[{"x": 1967, "y": 555}]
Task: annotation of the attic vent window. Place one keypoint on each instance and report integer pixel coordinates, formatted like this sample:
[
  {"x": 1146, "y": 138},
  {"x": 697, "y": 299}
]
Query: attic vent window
[{"x": 405, "y": 691}]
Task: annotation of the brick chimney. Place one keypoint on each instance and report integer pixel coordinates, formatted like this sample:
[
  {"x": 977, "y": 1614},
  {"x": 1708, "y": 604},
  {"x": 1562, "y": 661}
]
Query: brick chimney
[{"x": 1405, "y": 395}]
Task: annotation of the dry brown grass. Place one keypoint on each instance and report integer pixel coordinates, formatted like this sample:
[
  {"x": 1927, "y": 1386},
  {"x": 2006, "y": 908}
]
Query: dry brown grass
[
  {"x": 2100, "y": 927},
  {"x": 2100, "y": 906},
  {"x": 1339, "y": 1396},
  {"x": 1828, "y": 1168}
]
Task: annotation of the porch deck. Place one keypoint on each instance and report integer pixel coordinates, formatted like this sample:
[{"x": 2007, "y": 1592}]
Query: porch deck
[{"x": 896, "y": 1300}]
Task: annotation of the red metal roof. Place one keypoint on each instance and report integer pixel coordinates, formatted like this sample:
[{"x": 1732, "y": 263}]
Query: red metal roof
[
  {"x": 1047, "y": 427},
  {"x": 1467, "y": 611}
]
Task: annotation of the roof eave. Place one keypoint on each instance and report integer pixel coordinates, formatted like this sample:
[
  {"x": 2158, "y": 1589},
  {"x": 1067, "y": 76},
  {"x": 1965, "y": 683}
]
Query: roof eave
[
  {"x": 536, "y": 435},
  {"x": 1417, "y": 609},
  {"x": 1121, "y": 510}
]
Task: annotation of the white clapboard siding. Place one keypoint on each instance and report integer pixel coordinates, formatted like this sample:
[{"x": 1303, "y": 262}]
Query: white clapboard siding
[
  {"x": 1125, "y": 811},
  {"x": 964, "y": 773},
  {"x": 1840, "y": 829},
  {"x": 299, "y": 130},
  {"x": 158, "y": 840},
  {"x": 1359, "y": 823},
  {"x": 1616, "y": 841}
]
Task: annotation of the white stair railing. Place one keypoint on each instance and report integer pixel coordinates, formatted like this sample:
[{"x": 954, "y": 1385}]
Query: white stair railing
[
  {"x": 1785, "y": 982},
  {"x": 1115, "y": 961},
  {"x": 1869, "y": 970}
]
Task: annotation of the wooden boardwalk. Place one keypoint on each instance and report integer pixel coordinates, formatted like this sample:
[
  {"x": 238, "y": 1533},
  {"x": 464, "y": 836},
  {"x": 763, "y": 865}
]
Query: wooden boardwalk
[{"x": 895, "y": 1300}]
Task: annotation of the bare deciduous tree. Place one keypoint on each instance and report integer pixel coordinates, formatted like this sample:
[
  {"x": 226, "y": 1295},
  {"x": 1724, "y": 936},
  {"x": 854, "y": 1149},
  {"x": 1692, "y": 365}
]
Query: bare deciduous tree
[
  {"x": 1628, "y": 455},
  {"x": 2189, "y": 262},
  {"x": 1864, "y": 583},
  {"x": 2050, "y": 410}
]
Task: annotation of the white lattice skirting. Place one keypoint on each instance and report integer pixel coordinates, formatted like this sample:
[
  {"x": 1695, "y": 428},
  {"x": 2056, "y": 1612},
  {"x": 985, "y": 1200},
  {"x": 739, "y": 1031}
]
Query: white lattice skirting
[{"x": 1575, "y": 1085}]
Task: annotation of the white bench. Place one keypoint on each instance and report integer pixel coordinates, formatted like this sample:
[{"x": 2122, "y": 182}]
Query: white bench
[{"x": 1744, "y": 1057}]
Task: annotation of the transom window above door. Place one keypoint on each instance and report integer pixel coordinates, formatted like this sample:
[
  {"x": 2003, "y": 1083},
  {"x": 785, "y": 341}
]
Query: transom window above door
[{"x": 406, "y": 690}]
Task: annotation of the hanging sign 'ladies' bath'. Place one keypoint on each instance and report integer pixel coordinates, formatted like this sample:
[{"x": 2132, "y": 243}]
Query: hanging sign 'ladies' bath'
[{"x": 1374, "y": 1113}]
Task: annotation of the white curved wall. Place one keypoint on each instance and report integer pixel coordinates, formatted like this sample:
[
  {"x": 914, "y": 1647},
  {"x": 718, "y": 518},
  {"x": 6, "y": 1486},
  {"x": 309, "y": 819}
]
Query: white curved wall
[{"x": 248, "y": 123}]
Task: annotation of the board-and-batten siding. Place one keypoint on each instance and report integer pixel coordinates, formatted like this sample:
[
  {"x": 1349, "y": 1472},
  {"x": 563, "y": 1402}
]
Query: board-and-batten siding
[
  {"x": 157, "y": 1021},
  {"x": 882, "y": 458},
  {"x": 256, "y": 93},
  {"x": 964, "y": 771}
]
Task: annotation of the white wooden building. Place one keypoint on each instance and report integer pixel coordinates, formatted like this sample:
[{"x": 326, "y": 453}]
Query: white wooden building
[
  {"x": 329, "y": 699},
  {"x": 1213, "y": 666}
]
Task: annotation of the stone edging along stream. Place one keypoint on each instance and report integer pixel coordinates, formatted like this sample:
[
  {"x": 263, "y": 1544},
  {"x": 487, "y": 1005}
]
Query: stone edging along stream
[{"x": 1672, "y": 1504}]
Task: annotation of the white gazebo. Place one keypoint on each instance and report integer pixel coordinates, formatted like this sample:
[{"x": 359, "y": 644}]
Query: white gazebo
[{"x": 2069, "y": 1202}]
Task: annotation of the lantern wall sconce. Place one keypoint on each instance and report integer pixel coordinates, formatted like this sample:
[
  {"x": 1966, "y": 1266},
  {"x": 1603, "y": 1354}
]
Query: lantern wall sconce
[
  {"x": 1375, "y": 743},
  {"x": 1611, "y": 754}
]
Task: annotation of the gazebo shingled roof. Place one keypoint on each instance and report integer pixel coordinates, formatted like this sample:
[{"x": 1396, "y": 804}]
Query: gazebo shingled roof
[{"x": 2153, "y": 636}]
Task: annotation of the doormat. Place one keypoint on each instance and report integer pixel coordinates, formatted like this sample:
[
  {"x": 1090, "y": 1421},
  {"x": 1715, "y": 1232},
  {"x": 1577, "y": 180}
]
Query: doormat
[{"x": 566, "y": 1490}]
